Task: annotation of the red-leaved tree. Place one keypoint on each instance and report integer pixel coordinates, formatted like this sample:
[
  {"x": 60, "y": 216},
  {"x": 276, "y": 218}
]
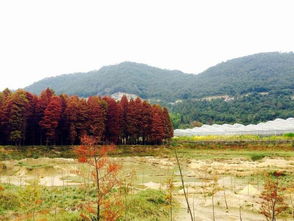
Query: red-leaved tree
[
  {"x": 105, "y": 178},
  {"x": 124, "y": 103},
  {"x": 272, "y": 200},
  {"x": 97, "y": 114},
  {"x": 28, "y": 119},
  {"x": 112, "y": 123},
  {"x": 71, "y": 113},
  {"x": 51, "y": 118},
  {"x": 157, "y": 126},
  {"x": 16, "y": 111}
]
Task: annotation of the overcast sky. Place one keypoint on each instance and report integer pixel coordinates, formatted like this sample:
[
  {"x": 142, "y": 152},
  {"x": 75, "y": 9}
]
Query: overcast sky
[{"x": 46, "y": 38}]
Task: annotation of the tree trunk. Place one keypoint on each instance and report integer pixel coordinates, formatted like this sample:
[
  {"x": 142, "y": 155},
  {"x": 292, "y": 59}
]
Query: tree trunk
[
  {"x": 274, "y": 212},
  {"x": 98, "y": 189},
  {"x": 212, "y": 199},
  {"x": 183, "y": 185}
]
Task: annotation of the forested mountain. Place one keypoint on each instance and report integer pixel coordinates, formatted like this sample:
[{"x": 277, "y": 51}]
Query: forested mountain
[
  {"x": 259, "y": 87},
  {"x": 129, "y": 77},
  {"x": 262, "y": 72},
  {"x": 251, "y": 109}
]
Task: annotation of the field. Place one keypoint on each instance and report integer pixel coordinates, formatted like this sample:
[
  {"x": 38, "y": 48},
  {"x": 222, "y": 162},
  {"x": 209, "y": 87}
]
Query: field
[{"x": 226, "y": 178}]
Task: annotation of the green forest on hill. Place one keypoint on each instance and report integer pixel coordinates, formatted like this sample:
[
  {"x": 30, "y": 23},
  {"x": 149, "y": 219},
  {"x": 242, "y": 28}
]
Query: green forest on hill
[
  {"x": 251, "y": 109},
  {"x": 260, "y": 88}
]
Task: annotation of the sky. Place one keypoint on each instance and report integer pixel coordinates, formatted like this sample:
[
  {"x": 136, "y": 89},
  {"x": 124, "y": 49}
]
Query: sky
[{"x": 41, "y": 38}]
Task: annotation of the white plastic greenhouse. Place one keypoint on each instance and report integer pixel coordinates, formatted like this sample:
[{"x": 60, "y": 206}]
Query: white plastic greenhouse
[{"x": 274, "y": 127}]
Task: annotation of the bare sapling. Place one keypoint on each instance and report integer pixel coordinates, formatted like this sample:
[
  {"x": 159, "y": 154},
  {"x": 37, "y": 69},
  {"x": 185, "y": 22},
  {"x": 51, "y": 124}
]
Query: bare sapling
[
  {"x": 225, "y": 198},
  {"x": 194, "y": 203},
  {"x": 128, "y": 186},
  {"x": 31, "y": 199},
  {"x": 170, "y": 187},
  {"x": 183, "y": 186},
  {"x": 240, "y": 213},
  {"x": 290, "y": 190},
  {"x": 214, "y": 188},
  {"x": 292, "y": 205}
]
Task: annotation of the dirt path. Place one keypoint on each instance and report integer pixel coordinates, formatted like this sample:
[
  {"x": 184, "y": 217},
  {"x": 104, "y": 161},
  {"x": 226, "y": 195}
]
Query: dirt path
[{"x": 204, "y": 213}]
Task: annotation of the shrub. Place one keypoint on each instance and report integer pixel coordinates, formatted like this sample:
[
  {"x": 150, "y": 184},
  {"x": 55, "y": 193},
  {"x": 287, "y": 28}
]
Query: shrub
[
  {"x": 272, "y": 200},
  {"x": 8, "y": 200},
  {"x": 291, "y": 135},
  {"x": 257, "y": 156},
  {"x": 148, "y": 203}
]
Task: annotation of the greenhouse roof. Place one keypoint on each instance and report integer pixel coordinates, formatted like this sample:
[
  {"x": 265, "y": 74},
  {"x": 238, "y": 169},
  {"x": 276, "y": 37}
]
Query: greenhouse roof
[{"x": 277, "y": 126}]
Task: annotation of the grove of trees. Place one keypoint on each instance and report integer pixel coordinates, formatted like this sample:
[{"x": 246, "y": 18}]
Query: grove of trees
[
  {"x": 251, "y": 109},
  {"x": 48, "y": 119}
]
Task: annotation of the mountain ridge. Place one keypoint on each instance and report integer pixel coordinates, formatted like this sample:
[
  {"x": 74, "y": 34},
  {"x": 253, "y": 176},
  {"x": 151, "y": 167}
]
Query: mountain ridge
[
  {"x": 261, "y": 72},
  {"x": 249, "y": 89}
]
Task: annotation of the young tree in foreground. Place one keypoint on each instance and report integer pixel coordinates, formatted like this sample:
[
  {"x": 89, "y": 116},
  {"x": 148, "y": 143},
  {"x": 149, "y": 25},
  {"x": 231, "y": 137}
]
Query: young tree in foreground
[
  {"x": 272, "y": 201},
  {"x": 105, "y": 177},
  {"x": 170, "y": 187}
]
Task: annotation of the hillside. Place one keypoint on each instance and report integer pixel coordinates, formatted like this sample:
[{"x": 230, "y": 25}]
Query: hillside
[
  {"x": 129, "y": 77},
  {"x": 245, "y": 90},
  {"x": 249, "y": 109},
  {"x": 262, "y": 72}
]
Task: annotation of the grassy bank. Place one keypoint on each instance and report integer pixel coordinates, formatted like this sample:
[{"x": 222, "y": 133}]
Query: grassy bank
[
  {"x": 35, "y": 202},
  {"x": 201, "y": 150}
]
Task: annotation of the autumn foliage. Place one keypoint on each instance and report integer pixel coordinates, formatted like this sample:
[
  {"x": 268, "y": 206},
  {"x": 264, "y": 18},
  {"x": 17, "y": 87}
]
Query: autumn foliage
[
  {"x": 28, "y": 119},
  {"x": 105, "y": 178},
  {"x": 272, "y": 200}
]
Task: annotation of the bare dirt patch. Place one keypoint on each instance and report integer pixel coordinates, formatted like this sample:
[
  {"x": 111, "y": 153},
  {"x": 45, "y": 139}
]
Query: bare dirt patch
[{"x": 238, "y": 180}]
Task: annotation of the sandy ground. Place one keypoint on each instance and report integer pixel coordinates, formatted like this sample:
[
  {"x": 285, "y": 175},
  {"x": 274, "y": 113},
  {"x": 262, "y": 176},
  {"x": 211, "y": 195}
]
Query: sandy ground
[{"x": 228, "y": 179}]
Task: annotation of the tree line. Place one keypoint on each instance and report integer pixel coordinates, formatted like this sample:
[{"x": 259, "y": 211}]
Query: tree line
[
  {"x": 50, "y": 119},
  {"x": 251, "y": 109}
]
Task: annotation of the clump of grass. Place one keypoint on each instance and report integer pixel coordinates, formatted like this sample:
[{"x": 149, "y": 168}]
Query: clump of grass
[
  {"x": 9, "y": 200},
  {"x": 60, "y": 215},
  {"x": 63, "y": 203},
  {"x": 14, "y": 153},
  {"x": 148, "y": 205},
  {"x": 257, "y": 156}
]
